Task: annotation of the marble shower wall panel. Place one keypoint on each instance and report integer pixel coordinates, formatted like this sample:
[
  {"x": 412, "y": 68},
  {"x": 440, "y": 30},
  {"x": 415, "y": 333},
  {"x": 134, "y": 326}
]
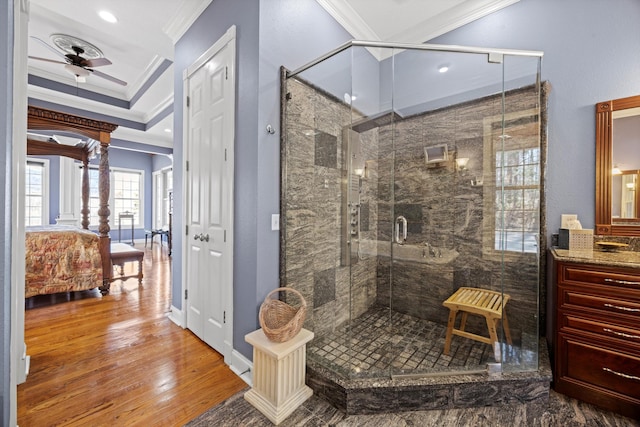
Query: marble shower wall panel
[
  {"x": 312, "y": 200},
  {"x": 444, "y": 209}
]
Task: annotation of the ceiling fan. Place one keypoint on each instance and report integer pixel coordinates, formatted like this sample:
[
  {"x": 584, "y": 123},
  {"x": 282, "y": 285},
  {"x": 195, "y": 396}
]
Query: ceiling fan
[{"x": 80, "y": 57}]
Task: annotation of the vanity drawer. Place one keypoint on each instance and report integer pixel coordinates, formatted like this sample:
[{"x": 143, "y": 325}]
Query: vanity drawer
[
  {"x": 616, "y": 277},
  {"x": 601, "y": 367},
  {"x": 619, "y": 335},
  {"x": 572, "y": 298}
]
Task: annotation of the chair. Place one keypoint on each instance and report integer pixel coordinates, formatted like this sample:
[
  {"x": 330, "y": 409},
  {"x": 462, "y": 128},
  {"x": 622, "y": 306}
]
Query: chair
[
  {"x": 481, "y": 302},
  {"x": 153, "y": 233}
]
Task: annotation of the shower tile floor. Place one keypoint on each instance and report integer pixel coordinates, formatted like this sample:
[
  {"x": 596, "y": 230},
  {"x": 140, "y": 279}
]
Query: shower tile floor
[{"x": 407, "y": 345}]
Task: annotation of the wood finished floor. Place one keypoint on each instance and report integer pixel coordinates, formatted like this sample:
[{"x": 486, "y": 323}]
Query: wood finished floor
[{"x": 118, "y": 360}]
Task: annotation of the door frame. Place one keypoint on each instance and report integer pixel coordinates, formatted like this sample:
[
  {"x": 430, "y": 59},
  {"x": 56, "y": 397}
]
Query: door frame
[{"x": 229, "y": 38}]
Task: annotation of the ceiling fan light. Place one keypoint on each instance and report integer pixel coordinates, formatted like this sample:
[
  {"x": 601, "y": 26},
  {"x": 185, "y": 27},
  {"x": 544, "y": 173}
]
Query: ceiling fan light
[
  {"x": 108, "y": 16},
  {"x": 79, "y": 72}
]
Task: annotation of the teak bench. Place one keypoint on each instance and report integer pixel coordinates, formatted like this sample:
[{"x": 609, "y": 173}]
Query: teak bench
[{"x": 482, "y": 302}]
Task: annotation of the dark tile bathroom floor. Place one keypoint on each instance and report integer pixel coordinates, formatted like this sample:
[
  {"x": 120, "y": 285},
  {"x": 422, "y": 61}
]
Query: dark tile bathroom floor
[
  {"x": 315, "y": 412},
  {"x": 378, "y": 341}
]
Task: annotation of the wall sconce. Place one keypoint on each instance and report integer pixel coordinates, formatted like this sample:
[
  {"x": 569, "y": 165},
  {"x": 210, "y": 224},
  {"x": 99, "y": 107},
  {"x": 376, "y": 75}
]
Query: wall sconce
[
  {"x": 461, "y": 163},
  {"x": 616, "y": 170},
  {"x": 364, "y": 171}
]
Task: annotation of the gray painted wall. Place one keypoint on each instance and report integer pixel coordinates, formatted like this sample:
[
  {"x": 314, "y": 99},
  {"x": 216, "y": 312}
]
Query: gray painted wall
[
  {"x": 590, "y": 55},
  {"x": 6, "y": 123}
]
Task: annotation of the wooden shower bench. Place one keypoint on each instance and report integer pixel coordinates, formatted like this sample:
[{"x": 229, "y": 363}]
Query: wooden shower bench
[{"x": 481, "y": 302}]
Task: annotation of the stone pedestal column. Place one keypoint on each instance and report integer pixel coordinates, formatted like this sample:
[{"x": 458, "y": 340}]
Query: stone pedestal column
[{"x": 278, "y": 374}]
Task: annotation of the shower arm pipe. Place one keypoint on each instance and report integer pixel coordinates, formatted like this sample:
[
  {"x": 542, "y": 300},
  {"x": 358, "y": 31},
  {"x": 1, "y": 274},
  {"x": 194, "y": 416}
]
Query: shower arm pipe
[{"x": 411, "y": 46}]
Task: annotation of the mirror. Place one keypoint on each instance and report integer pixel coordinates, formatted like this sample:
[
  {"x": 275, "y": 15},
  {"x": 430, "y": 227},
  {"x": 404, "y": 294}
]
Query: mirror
[{"x": 618, "y": 167}]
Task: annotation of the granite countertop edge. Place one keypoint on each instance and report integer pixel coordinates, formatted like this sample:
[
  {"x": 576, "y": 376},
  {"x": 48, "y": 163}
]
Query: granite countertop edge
[{"x": 627, "y": 259}]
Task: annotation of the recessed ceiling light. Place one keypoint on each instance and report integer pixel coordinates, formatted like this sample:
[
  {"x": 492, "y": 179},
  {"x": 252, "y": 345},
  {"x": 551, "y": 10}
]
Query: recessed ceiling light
[
  {"x": 167, "y": 130},
  {"x": 108, "y": 16},
  {"x": 443, "y": 68}
]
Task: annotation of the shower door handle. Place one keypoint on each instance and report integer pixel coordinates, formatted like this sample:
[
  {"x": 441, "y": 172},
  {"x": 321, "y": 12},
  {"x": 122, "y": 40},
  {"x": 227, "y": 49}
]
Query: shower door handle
[{"x": 402, "y": 220}]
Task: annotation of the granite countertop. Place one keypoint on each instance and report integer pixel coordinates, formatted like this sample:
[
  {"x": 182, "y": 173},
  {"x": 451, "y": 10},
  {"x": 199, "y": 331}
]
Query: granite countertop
[{"x": 614, "y": 259}]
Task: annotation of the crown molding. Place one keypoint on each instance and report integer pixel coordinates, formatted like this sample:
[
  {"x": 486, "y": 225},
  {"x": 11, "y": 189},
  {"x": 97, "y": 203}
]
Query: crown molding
[
  {"x": 422, "y": 32},
  {"x": 350, "y": 20},
  {"x": 187, "y": 14},
  {"x": 70, "y": 81},
  {"x": 48, "y": 95}
]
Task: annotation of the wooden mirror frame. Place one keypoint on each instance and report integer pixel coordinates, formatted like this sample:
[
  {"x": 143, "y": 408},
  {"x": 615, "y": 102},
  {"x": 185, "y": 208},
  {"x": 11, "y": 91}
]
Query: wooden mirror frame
[{"x": 604, "y": 150}]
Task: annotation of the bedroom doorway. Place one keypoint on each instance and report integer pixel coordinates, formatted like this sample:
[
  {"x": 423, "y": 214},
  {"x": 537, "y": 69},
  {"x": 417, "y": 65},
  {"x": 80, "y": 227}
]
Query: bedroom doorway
[{"x": 209, "y": 170}]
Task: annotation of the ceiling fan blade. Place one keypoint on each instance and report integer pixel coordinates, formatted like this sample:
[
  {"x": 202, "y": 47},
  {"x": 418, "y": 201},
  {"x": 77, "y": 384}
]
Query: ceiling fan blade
[
  {"x": 98, "y": 62},
  {"x": 48, "y": 46},
  {"x": 108, "y": 77},
  {"x": 47, "y": 60}
]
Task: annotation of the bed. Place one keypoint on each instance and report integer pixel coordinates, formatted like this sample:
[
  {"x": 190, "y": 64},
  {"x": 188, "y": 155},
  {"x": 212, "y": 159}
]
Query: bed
[{"x": 63, "y": 259}]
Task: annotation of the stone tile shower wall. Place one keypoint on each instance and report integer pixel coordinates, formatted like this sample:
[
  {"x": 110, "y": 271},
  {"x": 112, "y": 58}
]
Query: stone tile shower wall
[
  {"x": 441, "y": 205},
  {"x": 444, "y": 209},
  {"x": 311, "y": 198}
]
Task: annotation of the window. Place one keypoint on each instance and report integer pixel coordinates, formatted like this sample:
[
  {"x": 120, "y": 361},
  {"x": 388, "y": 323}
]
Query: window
[
  {"x": 126, "y": 195},
  {"x": 37, "y": 195},
  {"x": 511, "y": 190},
  {"x": 517, "y": 196}
]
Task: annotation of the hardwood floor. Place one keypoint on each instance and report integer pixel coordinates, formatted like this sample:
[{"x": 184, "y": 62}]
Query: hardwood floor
[{"x": 117, "y": 360}]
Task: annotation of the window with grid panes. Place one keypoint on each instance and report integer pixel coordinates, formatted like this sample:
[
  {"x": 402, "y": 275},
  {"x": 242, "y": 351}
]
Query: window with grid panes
[
  {"x": 126, "y": 190},
  {"x": 517, "y": 198},
  {"x": 36, "y": 197}
]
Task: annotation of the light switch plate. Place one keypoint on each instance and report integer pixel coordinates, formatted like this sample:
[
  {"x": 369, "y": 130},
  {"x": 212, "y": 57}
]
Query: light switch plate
[{"x": 275, "y": 222}]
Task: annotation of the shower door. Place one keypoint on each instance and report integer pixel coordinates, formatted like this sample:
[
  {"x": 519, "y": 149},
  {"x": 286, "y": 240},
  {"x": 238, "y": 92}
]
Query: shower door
[
  {"x": 458, "y": 203},
  {"x": 400, "y": 185}
]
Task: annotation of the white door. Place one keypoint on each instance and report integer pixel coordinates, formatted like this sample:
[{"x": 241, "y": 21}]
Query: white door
[{"x": 209, "y": 179}]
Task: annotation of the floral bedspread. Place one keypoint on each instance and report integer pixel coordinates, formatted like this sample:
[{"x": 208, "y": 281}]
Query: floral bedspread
[{"x": 61, "y": 259}]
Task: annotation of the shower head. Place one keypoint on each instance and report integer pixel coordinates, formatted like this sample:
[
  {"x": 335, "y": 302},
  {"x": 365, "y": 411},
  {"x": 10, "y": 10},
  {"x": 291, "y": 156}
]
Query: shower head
[{"x": 378, "y": 120}]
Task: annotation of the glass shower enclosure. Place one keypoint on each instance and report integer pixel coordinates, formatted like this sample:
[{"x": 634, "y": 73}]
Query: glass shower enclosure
[{"x": 409, "y": 172}]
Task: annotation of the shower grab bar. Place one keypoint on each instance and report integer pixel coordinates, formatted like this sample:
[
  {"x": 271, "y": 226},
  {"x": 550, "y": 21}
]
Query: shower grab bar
[
  {"x": 410, "y": 46},
  {"x": 402, "y": 220}
]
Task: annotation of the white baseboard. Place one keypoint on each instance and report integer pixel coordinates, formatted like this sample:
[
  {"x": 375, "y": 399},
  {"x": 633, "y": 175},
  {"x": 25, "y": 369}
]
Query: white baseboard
[
  {"x": 242, "y": 367},
  {"x": 177, "y": 316}
]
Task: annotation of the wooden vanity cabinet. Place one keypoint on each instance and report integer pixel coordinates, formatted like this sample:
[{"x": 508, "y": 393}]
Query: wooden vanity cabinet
[{"x": 597, "y": 335}]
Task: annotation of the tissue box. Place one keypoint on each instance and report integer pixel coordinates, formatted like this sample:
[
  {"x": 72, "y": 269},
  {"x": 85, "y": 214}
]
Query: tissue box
[
  {"x": 563, "y": 238},
  {"x": 581, "y": 240},
  {"x": 575, "y": 240}
]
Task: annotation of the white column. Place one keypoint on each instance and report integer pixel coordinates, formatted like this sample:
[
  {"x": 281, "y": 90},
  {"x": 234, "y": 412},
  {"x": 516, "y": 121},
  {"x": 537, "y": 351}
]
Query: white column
[
  {"x": 69, "y": 199},
  {"x": 278, "y": 374}
]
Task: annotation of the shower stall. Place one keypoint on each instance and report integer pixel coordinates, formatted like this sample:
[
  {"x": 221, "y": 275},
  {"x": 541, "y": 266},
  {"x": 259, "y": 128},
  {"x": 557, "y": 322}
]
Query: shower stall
[{"x": 408, "y": 172}]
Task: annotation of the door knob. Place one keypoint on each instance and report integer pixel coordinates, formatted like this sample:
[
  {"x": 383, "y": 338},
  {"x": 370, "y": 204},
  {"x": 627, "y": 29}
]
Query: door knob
[
  {"x": 205, "y": 238},
  {"x": 197, "y": 237}
]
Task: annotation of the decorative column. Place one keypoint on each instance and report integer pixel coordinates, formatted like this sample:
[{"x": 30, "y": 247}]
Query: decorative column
[
  {"x": 68, "y": 193},
  {"x": 103, "y": 212},
  {"x": 84, "y": 213},
  {"x": 278, "y": 374}
]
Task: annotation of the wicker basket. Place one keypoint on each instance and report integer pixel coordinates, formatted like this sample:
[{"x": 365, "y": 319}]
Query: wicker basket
[{"x": 281, "y": 321}]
